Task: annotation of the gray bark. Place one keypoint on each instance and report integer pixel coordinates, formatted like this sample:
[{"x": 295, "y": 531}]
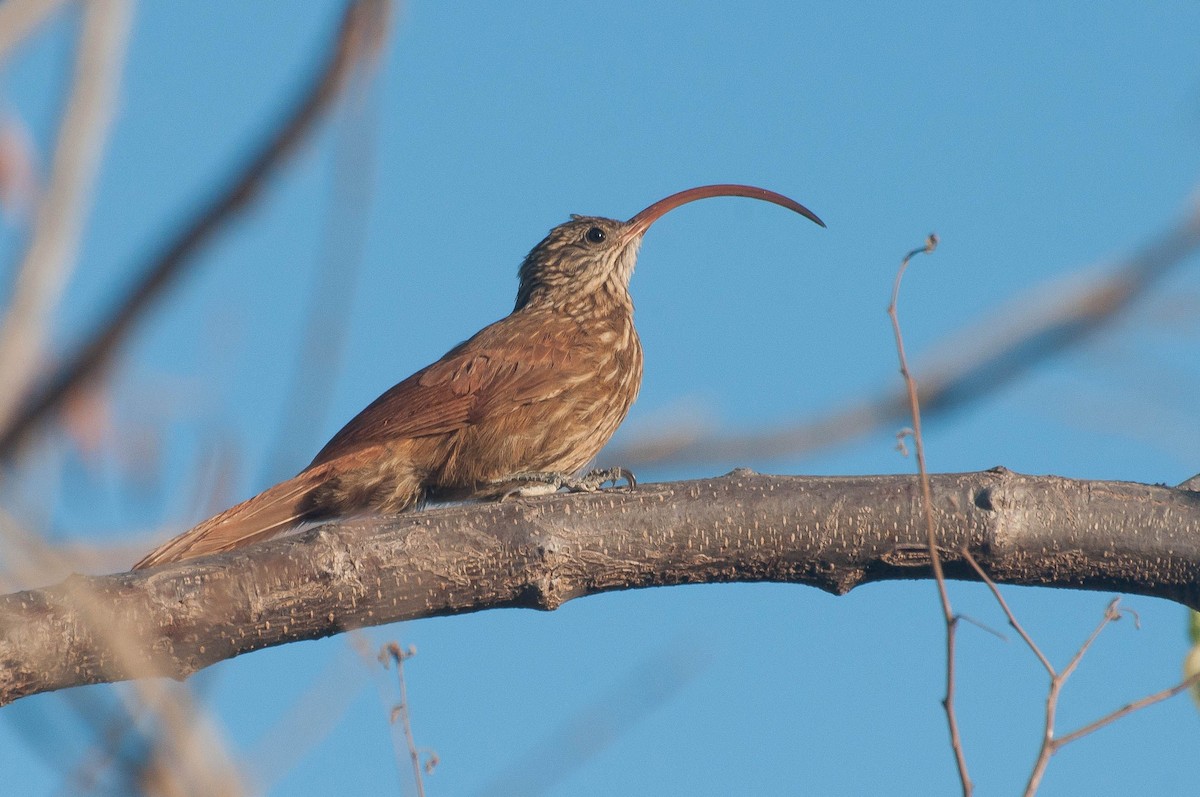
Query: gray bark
[{"x": 832, "y": 533}]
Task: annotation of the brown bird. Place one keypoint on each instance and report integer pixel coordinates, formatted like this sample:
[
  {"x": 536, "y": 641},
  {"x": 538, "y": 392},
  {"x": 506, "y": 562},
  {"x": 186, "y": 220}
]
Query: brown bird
[{"x": 520, "y": 407}]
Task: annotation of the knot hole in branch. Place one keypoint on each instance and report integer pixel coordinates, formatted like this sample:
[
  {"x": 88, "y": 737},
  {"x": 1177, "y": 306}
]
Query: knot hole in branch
[{"x": 983, "y": 499}]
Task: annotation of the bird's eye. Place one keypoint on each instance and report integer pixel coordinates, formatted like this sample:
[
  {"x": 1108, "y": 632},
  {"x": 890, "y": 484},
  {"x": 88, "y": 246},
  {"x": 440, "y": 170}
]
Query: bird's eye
[{"x": 594, "y": 235}]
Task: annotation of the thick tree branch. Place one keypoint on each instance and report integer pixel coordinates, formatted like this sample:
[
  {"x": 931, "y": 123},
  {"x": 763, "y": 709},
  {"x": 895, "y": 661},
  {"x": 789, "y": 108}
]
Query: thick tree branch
[{"x": 833, "y": 533}]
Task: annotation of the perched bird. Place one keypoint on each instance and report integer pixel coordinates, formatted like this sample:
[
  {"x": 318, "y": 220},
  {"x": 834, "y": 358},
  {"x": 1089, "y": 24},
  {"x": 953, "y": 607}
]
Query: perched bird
[{"x": 520, "y": 407}]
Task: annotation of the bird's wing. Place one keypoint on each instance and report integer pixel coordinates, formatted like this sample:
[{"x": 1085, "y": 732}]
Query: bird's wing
[
  {"x": 272, "y": 511},
  {"x": 495, "y": 372}
]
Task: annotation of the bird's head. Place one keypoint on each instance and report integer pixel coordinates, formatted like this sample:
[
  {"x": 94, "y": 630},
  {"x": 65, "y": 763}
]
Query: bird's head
[{"x": 591, "y": 258}]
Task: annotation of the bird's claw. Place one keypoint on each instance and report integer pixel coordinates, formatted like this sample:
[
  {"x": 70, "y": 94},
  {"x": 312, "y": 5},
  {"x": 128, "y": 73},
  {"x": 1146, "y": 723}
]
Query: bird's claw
[{"x": 593, "y": 480}]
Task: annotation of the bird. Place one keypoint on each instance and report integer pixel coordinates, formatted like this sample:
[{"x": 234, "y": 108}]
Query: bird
[{"x": 520, "y": 407}]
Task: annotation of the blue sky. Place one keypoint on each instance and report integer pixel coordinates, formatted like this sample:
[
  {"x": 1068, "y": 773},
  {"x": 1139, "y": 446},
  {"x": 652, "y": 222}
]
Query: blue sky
[{"x": 1037, "y": 139}]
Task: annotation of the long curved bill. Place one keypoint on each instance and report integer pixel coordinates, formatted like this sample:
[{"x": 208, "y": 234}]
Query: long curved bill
[{"x": 642, "y": 221}]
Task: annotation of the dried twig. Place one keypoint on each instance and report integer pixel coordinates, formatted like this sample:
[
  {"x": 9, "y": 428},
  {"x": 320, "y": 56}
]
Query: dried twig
[
  {"x": 1008, "y": 613},
  {"x": 1057, "y": 681},
  {"x": 358, "y": 39},
  {"x": 393, "y": 653},
  {"x": 935, "y": 558},
  {"x": 1128, "y": 708},
  {"x": 1050, "y": 743}
]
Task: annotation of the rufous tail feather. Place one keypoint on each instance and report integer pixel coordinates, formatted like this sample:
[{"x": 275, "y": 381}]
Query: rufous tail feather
[{"x": 271, "y": 512}]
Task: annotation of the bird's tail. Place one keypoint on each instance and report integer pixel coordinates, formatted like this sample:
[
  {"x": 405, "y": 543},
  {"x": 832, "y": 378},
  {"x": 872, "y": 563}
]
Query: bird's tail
[{"x": 270, "y": 512}]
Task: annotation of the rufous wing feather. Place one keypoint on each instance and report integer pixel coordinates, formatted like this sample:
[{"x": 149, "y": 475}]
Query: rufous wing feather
[
  {"x": 481, "y": 378},
  {"x": 270, "y": 512}
]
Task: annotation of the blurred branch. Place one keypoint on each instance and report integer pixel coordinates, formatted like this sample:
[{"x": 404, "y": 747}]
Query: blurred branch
[
  {"x": 330, "y": 299},
  {"x": 358, "y": 39},
  {"x": 833, "y": 533},
  {"x": 20, "y": 180},
  {"x": 310, "y": 719},
  {"x": 62, "y": 209},
  {"x": 1001, "y": 349},
  {"x": 19, "y": 18},
  {"x": 186, "y": 754},
  {"x": 600, "y": 723}
]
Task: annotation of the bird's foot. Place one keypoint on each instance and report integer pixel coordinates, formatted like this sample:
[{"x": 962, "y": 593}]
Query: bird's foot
[
  {"x": 593, "y": 480},
  {"x": 550, "y": 482}
]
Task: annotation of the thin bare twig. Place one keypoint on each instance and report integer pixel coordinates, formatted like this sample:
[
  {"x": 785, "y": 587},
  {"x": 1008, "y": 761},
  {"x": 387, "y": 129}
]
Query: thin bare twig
[
  {"x": 1012, "y": 618},
  {"x": 1128, "y": 708},
  {"x": 935, "y": 557},
  {"x": 1057, "y": 681},
  {"x": 62, "y": 208},
  {"x": 1051, "y": 744},
  {"x": 358, "y": 39},
  {"x": 392, "y": 652},
  {"x": 1112, "y": 613}
]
